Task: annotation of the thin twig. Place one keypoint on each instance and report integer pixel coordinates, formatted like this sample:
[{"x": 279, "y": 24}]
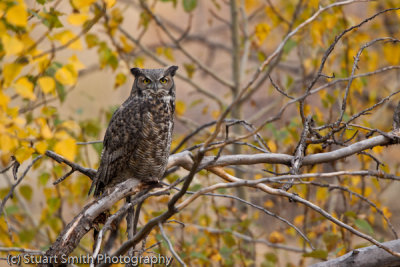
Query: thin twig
[
  {"x": 171, "y": 248},
  {"x": 11, "y": 192}
]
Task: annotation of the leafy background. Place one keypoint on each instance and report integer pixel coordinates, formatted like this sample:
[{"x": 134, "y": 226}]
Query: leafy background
[{"x": 65, "y": 69}]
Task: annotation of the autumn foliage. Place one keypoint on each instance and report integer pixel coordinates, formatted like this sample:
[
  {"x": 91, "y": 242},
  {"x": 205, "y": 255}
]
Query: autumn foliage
[{"x": 294, "y": 78}]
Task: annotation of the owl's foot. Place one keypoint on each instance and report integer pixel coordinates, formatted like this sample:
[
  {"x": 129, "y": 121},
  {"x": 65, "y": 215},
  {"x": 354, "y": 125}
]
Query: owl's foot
[{"x": 153, "y": 183}]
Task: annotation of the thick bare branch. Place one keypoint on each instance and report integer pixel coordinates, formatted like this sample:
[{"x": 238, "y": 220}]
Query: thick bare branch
[
  {"x": 86, "y": 219},
  {"x": 366, "y": 257}
]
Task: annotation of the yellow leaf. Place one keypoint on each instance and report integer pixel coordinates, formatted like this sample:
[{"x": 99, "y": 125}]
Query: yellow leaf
[
  {"x": 299, "y": 220},
  {"x": 258, "y": 176},
  {"x": 42, "y": 63},
  {"x": 77, "y": 19},
  {"x": 371, "y": 217},
  {"x": 61, "y": 135},
  {"x": 66, "y": 76},
  {"x": 368, "y": 191},
  {"x": 272, "y": 15},
  {"x": 7, "y": 144},
  {"x": 313, "y": 3},
  {"x": 392, "y": 53},
  {"x": 250, "y": 4},
  {"x": 41, "y": 147},
  {"x": 11, "y": 45},
  {"x": 28, "y": 42},
  {"x": 25, "y": 88},
  {"x": 271, "y": 144},
  {"x": 215, "y": 114},
  {"x": 378, "y": 149},
  {"x": 17, "y": 15},
  {"x": 10, "y": 71},
  {"x": 276, "y": 237},
  {"x": 126, "y": 46},
  {"x": 120, "y": 79},
  {"x": 269, "y": 204},
  {"x": 66, "y": 37},
  {"x": 66, "y": 148},
  {"x": 373, "y": 60},
  {"x": 47, "y": 84},
  {"x": 110, "y": 3},
  {"x": 180, "y": 107},
  {"x": 4, "y": 100},
  {"x": 3, "y": 28},
  {"x": 45, "y": 130},
  {"x": 3, "y": 7},
  {"x": 19, "y": 120},
  {"x": 386, "y": 212},
  {"x": 71, "y": 125},
  {"x": 76, "y": 63},
  {"x": 23, "y": 153},
  {"x": 317, "y": 30},
  {"x": 82, "y": 3},
  {"x": 322, "y": 194},
  {"x": 216, "y": 257},
  {"x": 262, "y": 31}
]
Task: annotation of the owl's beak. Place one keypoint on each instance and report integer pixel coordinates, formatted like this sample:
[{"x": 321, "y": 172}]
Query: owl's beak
[
  {"x": 157, "y": 86},
  {"x": 153, "y": 87}
]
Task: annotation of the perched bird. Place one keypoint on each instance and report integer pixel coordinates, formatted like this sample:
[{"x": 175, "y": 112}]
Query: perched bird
[{"x": 137, "y": 141}]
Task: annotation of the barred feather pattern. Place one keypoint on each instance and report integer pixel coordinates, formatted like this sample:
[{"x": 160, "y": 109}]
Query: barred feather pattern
[{"x": 137, "y": 141}]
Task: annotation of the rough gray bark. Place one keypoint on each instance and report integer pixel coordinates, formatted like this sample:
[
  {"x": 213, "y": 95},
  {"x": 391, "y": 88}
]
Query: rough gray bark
[
  {"x": 366, "y": 257},
  {"x": 85, "y": 220}
]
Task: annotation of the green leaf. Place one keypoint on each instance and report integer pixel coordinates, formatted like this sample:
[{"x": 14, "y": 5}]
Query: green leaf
[
  {"x": 91, "y": 40},
  {"x": 364, "y": 226},
  {"x": 61, "y": 91},
  {"x": 196, "y": 102},
  {"x": 4, "y": 192},
  {"x": 44, "y": 178},
  {"x": 190, "y": 69},
  {"x": 271, "y": 257},
  {"x": 350, "y": 214},
  {"x": 317, "y": 254},
  {"x": 51, "y": 70},
  {"x": 221, "y": 190},
  {"x": 53, "y": 204},
  {"x": 189, "y": 5},
  {"x": 26, "y": 191},
  {"x": 195, "y": 187},
  {"x": 26, "y": 236},
  {"x": 229, "y": 240},
  {"x": 157, "y": 213},
  {"x": 174, "y": 2},
  {"x": 13, "y": 209},
  {"x": 91, "y": 127},
  {"x": 290, "y": 44}
]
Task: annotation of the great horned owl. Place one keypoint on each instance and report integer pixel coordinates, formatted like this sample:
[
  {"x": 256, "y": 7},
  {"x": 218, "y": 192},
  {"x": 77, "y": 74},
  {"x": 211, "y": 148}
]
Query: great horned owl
[{"x": 137, "y": 141}]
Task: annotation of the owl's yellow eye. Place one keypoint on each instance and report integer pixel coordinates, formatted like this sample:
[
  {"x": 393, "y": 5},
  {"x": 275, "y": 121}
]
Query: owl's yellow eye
[
  {"x": 146, "y": 81},
  {"x": 163, "y": 80}
]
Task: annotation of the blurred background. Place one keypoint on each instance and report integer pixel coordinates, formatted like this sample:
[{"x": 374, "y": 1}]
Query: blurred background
[{"x": 65, "y": 69}]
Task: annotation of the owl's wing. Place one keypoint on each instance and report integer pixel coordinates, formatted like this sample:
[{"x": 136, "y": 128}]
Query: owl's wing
[{"x": 119, "y": 139}]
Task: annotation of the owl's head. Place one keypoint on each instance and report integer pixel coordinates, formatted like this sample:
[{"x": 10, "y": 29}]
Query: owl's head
[{"x": 154, "y": 82}]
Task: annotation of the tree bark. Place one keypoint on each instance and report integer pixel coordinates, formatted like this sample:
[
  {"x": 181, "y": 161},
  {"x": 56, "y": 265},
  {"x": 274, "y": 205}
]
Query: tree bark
[{"x": 366, "y": 257}]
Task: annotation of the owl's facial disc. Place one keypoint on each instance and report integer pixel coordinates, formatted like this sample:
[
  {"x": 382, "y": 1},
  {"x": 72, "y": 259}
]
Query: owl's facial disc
[{"x": 154, "y": 87}]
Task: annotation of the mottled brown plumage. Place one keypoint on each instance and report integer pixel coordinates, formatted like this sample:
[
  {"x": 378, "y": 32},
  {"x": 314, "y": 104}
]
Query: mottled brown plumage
[{"x": 138, "y": 139}]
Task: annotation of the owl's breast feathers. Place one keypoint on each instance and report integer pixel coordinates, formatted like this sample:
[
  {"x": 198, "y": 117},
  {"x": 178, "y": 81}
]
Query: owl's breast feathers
[{"x": 137, "y": 142}]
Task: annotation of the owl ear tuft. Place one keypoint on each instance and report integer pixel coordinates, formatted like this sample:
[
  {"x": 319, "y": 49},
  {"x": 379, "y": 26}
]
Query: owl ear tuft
[
  {"x": 171, "y": 71},
  {"x": 136, "y": 71}
]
